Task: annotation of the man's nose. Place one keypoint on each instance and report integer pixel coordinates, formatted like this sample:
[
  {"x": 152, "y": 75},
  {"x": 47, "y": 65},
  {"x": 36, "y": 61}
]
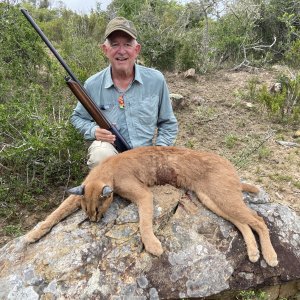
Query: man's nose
[{"x": 121, "y": 49}]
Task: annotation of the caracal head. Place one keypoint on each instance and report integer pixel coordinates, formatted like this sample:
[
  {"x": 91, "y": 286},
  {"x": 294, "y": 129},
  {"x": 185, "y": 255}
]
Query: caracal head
[{"x": 96, "y": 198}]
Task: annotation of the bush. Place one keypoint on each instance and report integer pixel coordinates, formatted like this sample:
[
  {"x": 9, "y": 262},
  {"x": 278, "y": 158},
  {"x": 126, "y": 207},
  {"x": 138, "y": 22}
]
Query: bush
[
  {"x": 40, "y": 150},
  {"x": 284, "y": 104},
  {"x": 292, "y": 56}
]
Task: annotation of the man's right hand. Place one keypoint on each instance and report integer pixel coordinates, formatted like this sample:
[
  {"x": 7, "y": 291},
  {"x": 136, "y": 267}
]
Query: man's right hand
[{"x": 104, "y": 135}]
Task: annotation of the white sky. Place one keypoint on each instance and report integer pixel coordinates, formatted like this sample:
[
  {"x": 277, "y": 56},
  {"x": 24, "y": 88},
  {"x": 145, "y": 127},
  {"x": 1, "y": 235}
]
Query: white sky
[
  {"x": 85, "y": 6},
  {"x": 82, "y": 6}
]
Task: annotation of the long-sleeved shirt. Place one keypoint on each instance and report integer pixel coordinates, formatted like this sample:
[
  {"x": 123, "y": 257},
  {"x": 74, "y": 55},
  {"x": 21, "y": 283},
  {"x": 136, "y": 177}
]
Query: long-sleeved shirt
[{"x": 147, "y": 108}]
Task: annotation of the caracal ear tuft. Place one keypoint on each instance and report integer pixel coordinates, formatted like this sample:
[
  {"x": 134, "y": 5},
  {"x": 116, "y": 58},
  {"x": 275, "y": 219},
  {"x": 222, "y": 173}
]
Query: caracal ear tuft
[
  {"x": 77, "y": 190},
  {"x": 106, "y": 191}
]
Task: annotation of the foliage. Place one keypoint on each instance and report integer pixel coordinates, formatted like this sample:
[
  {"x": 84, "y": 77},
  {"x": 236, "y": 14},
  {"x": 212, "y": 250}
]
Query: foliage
[
  {"x": 39, "y": 148},
  {"x": 159, "y": 33},
  {"x": 292, "y": 55},
  {"x": 19, "y": 53},
  {"x": 252, "y": 295},
  {"x": 284, "y": 103}
]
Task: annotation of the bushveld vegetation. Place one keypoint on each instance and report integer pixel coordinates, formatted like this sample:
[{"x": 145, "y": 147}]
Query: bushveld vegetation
[{"x": 40, "y": 151}]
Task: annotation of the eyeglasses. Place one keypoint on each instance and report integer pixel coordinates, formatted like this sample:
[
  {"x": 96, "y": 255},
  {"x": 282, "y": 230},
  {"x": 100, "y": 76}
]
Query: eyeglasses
[{"x": 126, "y": 46}]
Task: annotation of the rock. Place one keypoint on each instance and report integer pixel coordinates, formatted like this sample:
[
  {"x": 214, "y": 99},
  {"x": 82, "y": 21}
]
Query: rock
[
  {"x": 249, "y": 105},
  {"x": 288, "y": 144},
  {"x": 204, "y": 254},
  {"x": 275, "y": 88},
  {"x": 177, "y": 101},
  {"x": 190, "y": 73},
  {"x": 297, "y": 134}
]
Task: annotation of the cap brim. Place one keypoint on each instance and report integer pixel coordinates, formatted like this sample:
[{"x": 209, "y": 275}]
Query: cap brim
[{"x": 121, "y": 29}]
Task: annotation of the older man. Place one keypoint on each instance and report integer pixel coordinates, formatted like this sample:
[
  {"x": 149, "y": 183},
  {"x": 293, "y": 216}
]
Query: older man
[{"x": 133, "y": 97}]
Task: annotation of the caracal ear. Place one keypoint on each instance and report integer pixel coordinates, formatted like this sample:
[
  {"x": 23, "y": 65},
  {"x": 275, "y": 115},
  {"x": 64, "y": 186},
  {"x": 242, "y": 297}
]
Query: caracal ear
[
  {"x": 106, "y": 191},
  {"x": 77, "y": 190}
]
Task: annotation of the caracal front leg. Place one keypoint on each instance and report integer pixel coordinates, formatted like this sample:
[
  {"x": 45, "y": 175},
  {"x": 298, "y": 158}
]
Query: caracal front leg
[
  {"x": 142, "y": 196},
  {"x": 150, "y": 241},
  {"x": 67, "y": 207}
]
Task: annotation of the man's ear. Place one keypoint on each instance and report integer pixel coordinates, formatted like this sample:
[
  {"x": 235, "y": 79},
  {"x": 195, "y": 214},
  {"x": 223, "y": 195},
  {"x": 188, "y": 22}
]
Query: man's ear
[
  {"x": 77, "y": 190},
  {"x": 104, "y": 48},
  {"x": 138, "y": 48}
]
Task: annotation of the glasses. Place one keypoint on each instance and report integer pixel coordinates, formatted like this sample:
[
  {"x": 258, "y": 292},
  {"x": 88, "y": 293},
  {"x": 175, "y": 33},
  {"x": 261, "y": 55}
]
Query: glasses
[{"x": 126, "y": 46}]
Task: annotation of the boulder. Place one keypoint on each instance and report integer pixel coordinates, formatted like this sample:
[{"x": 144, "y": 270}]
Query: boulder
[{"x": 204, "y": 254}]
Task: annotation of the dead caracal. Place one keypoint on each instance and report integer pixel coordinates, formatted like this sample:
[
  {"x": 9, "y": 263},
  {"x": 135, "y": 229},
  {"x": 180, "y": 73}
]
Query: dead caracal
[{"x": 131, "y": 173}]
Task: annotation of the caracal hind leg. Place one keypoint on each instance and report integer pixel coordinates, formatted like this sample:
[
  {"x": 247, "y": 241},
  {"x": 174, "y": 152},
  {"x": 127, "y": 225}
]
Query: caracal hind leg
[
  {"x": 238, "y": 212},
  {"x": 67, "y": 207},
  {"x": 246, "y": 231},
  {"x": 249, "y": 238},
  {"x": 258, "y": 224},
  {"x": 143, "y": 198}
]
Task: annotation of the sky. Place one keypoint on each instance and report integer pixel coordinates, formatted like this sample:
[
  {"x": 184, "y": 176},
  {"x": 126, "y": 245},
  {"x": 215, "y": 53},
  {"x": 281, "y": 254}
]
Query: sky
[
  {"x": 82, "y": 6},
  {"x": 85, "y": 6}
]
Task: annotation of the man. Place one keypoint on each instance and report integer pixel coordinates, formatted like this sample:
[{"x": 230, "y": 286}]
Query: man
[{"x": 133, "y": 97}]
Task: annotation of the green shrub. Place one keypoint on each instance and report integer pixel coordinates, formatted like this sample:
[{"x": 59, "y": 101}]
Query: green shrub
[
  {"x": 292, "y": 56},
  {"x": 40, "y": 150},
  {"x": 284, "y": 104}
]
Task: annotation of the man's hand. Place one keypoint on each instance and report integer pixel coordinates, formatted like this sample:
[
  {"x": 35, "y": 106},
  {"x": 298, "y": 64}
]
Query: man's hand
[{"x": 104, "y": 135}]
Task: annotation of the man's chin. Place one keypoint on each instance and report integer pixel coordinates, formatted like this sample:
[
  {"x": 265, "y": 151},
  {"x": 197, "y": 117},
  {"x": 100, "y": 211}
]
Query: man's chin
[{"x": 123, "y": 66}]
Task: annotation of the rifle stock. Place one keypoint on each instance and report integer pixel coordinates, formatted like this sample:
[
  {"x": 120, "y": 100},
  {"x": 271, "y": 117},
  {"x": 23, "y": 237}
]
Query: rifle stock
[{"x": 79, "y": 91}]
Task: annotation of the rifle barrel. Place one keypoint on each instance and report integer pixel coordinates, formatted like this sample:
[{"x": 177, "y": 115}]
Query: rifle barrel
[{"x": 48, "y": 43}]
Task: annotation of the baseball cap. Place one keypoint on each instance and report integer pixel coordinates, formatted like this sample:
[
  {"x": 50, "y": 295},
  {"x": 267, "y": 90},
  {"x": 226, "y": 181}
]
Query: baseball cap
[{"x": 120, "y": 23}]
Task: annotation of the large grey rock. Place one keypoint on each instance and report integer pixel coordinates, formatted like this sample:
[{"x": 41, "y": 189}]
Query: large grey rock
[{"x": 204, "y": 254}]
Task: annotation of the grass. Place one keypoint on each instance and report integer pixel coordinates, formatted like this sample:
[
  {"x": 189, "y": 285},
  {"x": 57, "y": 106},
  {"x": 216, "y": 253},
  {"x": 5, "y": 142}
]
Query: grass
[
  {"x": 252, "y": 295},
  {"x": 281, "y": 177},
  {"x": 231, "y": 140},
  {"x": 13, "y": 230}
]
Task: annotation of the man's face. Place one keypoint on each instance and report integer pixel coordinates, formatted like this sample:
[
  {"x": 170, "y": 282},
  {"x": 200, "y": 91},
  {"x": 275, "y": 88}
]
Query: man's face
[{"x": 122, "y": 51}]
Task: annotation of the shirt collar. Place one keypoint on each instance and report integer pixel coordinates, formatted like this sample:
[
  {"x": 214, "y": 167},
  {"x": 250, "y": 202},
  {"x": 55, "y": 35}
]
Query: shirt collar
[
  {"x": 137, "y": 75},
  {"x": 108, "y": 82}
]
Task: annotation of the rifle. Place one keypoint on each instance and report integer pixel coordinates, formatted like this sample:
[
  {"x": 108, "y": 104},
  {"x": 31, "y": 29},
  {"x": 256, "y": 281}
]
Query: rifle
[{"x": 79, "y": 91}]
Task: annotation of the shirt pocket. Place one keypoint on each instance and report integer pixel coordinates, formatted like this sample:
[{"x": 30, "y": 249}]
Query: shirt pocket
[
  {"x": 110, "y": 111},
  {"x": 148, "y": 111}
]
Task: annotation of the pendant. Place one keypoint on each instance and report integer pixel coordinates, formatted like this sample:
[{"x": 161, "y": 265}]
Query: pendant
[{"x": 121, "y": 102}]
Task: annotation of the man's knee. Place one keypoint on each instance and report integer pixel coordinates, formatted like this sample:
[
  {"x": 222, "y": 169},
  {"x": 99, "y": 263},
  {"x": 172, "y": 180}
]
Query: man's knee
[{"x": 99, "y": 151}]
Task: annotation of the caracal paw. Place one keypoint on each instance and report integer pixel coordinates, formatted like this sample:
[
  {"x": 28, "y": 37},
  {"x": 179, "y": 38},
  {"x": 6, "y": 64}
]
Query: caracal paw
[
  {"x": 253, "y": 255},
  {"x": 271, "y": 259},
  {"x": 154, "y": 247},
  {"x": 32, "y": 237},
  {"x": 36, "y": 233}
]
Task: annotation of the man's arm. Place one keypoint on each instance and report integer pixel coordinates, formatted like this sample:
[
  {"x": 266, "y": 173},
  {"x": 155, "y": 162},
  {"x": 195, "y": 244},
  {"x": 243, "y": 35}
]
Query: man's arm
[
  {"x": 83, "y": 122},
  {"x": 167, "y": 124}
]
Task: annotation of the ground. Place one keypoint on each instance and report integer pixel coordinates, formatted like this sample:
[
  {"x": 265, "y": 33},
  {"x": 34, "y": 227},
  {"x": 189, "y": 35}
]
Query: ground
[{"x": 219, "y": 114}]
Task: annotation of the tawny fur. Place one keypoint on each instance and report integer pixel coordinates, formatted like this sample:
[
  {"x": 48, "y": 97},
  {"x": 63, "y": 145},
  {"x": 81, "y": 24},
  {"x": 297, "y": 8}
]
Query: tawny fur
[{"x": 131, "y": 173}]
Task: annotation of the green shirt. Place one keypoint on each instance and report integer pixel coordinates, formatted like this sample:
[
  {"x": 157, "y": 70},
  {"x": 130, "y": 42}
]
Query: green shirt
[{"x": 147, "y": 108}]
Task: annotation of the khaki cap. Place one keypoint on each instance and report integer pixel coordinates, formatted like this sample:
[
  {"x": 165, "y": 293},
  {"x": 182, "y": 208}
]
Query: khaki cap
[{"x": 120, "y": 23}]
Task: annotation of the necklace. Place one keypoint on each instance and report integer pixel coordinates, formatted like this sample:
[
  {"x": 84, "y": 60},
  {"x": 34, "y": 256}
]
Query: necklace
[
  {"x": 121, "y": 96},
  {"x": 121, "y": 101},
  {"x": 122, "y": 92}
]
